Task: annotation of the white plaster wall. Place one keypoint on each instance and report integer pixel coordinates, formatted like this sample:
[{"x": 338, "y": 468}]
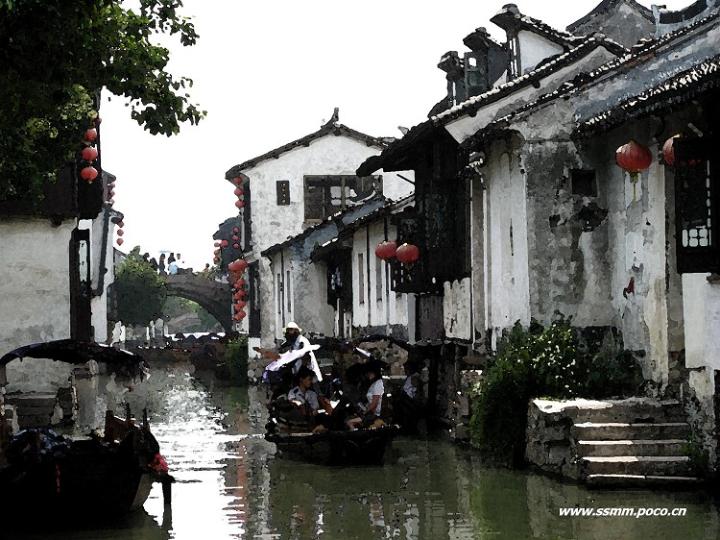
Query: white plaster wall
[
  {"x": 701, "y": 314},
  {"x": 392, "y": 309},
  {"x": 506, "y": 263},
  {"x": 34, "y": 282},
  {"x": 534, "y": 49}
]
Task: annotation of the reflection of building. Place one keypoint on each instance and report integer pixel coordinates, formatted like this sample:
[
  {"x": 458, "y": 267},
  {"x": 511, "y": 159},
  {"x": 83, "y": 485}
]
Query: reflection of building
[{"x": 290, "y": 189}]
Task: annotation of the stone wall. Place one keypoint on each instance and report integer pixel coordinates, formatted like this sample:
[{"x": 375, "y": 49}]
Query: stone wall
[{"x": 549, "y": 441}]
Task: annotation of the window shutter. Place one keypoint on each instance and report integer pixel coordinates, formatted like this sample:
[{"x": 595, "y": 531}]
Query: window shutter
[
  {"x": 283, "y": 192},
  {"x": 697, "y": 203}
]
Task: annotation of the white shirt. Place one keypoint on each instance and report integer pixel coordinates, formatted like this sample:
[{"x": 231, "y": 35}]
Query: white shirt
[
  {"x": 305, "y": 397},
  {"x": 409, "y": 388},
  {"x": 303, "y": 343},
  {"x": 377, "y": 388}
]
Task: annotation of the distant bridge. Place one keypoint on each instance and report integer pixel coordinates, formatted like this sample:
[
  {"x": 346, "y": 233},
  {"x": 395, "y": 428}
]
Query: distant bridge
[{"x": 212, "y": 295}]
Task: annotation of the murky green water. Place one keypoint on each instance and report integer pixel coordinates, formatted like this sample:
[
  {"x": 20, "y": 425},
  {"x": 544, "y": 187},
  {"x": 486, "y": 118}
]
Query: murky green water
[{"x": 231, "y": 485}]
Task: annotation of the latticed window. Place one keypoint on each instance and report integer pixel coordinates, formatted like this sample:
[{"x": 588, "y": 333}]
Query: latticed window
[{"x": 697, "y": 206}]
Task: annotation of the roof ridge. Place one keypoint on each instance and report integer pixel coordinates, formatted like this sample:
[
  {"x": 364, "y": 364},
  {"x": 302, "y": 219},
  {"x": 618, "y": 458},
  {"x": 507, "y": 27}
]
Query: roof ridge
[{"x": 331, "y": 127}]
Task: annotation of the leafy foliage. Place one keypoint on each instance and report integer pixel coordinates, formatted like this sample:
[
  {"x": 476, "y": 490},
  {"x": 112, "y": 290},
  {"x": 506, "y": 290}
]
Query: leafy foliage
[
  {"x": 236, "y": 358},
  {"x": 542, "y": 362},
  {"x": 140, "y": 290},
  {"x": 56, "y": 55},
  {"x": 175, "y": 306}
]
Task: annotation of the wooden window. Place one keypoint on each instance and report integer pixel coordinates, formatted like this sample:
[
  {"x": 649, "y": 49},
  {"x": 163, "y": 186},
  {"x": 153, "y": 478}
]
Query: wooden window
[
  {"x": 361, "y": 279},
  {"x": 379, "y": 279},
  {"x": 326, "y": 195},
  {"x": 282, "y": 188},
  {"x": 697, "y": 205},
  {"x": 583, "y": 182}
]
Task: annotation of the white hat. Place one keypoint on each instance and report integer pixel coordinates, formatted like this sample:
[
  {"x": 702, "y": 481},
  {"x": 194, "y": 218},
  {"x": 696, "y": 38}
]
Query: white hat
[{"x": 293, "y": 326}]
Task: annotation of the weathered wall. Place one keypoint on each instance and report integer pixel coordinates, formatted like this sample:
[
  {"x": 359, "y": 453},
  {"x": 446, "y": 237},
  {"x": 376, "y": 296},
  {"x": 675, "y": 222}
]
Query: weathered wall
[
  {"x": 38, "y": 375},
  {"x": 457, "y": 309},
  {"x": 506, "y": 264},
  {"x": 534, "y": 49},
  {"x": 34, "y": 282}
]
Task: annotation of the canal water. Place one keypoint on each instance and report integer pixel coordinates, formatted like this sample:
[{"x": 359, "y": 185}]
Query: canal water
[{"x": 230, "y": 484}]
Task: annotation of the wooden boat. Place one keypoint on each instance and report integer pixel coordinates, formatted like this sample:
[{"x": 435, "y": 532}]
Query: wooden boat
[
  {"x": 51, "y": 475},
  {"x": 360, "y": 447}
]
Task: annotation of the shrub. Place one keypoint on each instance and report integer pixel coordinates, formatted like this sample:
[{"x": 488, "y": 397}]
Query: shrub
[
  {"x": 236, "y": 358},
  {"x": 541, "y": 362}
]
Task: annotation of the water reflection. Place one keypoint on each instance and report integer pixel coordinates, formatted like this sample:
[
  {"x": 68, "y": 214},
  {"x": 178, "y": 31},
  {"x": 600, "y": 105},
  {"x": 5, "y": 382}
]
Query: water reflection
[{"x": 231, "y": 485}]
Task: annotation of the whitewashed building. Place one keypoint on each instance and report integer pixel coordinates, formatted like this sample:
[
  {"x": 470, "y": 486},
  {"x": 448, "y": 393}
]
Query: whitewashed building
[{"x": 293, "y": 188}]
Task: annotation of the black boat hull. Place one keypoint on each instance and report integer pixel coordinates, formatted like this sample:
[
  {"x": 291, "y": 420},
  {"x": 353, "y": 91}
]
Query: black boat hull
[{"x": 361, "y": 447}]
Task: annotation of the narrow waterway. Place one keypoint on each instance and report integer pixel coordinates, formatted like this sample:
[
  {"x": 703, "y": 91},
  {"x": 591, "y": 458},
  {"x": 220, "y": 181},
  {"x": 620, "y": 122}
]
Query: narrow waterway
[{"x": 231, "y": 485}]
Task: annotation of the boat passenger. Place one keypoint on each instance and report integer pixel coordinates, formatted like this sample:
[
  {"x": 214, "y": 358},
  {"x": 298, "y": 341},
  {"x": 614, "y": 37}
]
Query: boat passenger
[
  {"x": 408, "y": 407},
  {"x": 295, "y": 341},
  {"x": 372, "y": 409},
  {"x": 302, "y": 395}
]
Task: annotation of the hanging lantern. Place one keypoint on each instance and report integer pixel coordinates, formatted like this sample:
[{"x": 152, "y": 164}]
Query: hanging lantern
[
  {"x": 668, "y": 151},
  {"x": 236, "y": 230},
  {"x": 239, "y": 265},
  {"x": 633, "y": 158},
  {"x": 91, "y": 135},
  {"x": 407, "y": 253},
  {"x": 239, "y": 192},
  {"x": 224, "y": 243},
  {"x": 216, "y": 244},
  {"x": 89, "y": 174},
  {"x": 239, "y": 204},
  {"x": 121, "y": 224},
  {"x": 239, "y": 316},
  {"x": 235, "y": 237},
  {"x": 386, "y": 250},
  {"x": 240, "y": 304},
  {"x": 89, "y": 153},
  {"x": 240, "y": 282},
  {"x": 120, "y": 241},
  {"x": 236, "y": 246},
  {"x": 120, "y": 232},
  {"x": 216, "y": 260},
  {"x": 237, "y": 180}
]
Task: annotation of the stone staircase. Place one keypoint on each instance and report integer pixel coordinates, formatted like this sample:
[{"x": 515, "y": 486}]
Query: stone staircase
[
  {"x": 629, "y": 442},
  {"x": 636, "y": 442}
]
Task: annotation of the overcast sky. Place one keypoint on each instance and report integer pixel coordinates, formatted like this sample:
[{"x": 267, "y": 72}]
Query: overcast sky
[{"x": 270, "y": 71}]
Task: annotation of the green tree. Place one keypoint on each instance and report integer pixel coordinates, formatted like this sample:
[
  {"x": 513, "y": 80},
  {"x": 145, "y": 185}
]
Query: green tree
[
  {"x": 140, "y": 290},
  {"x": 56, "y": 55}
]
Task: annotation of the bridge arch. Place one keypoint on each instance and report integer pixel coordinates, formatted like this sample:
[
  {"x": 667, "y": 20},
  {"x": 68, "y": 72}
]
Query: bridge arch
[{"x": 213, "y": 296}]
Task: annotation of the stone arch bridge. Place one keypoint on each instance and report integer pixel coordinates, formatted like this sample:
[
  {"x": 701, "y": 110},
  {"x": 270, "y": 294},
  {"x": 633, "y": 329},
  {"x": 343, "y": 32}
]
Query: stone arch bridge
[{"x": 214, "y": 296}]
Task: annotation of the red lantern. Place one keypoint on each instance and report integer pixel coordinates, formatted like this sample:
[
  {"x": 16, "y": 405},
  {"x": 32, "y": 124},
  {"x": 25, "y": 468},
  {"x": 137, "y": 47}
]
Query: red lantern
[
  {"x": 239, "y": 192},
  {"x": 120, "y": 232},
  {"x": 239, "y": 316},
  {"x": 239, "y": 204},
  {"x": 239, "y": 265},
  {"x": 237, "y": 180},
  {"x": 633, "y": 158},
  {"x": 224, "y": 243},
  {"x": 91, "y": 135},
  {"x": 121, "y": 224},
  {"x": 120, "y": 241},
  {"x": 407, "y": 253},
  {"x": 236, "y": 246},
  {"x": 669, "y": 151},
  {"x": 216, "y": 260},
  {"x": 236, "y": 230},
  {"x": 235, "y": 237},
  {"x": 89, "y": 174},
  {"x": 240, "y": 304},
  {"x": 240, "y": 282},
  {"x": 386, "y": 250},
  {"x": 89, "y": 153}
]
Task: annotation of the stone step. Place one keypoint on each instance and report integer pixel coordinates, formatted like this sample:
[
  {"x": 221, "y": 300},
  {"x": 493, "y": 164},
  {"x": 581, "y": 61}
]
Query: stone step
[
  {"x": 31, "y": 400},
  {"x": 624, "y": 431},
  {"x": 637, "y": 465},
  {"x": 642, "y": 481},
  {"x": 656, "y": 447},
  {"x": 633, "y": 411}
]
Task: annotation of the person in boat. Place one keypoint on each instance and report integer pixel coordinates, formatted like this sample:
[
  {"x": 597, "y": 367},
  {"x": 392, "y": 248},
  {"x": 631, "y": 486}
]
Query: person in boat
[
  {"x": 371, "y": 407},
  {"x": 295, "y": 341},
  {"x": 409, "y": 403},
  {"x": 302, "y": 395}
]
